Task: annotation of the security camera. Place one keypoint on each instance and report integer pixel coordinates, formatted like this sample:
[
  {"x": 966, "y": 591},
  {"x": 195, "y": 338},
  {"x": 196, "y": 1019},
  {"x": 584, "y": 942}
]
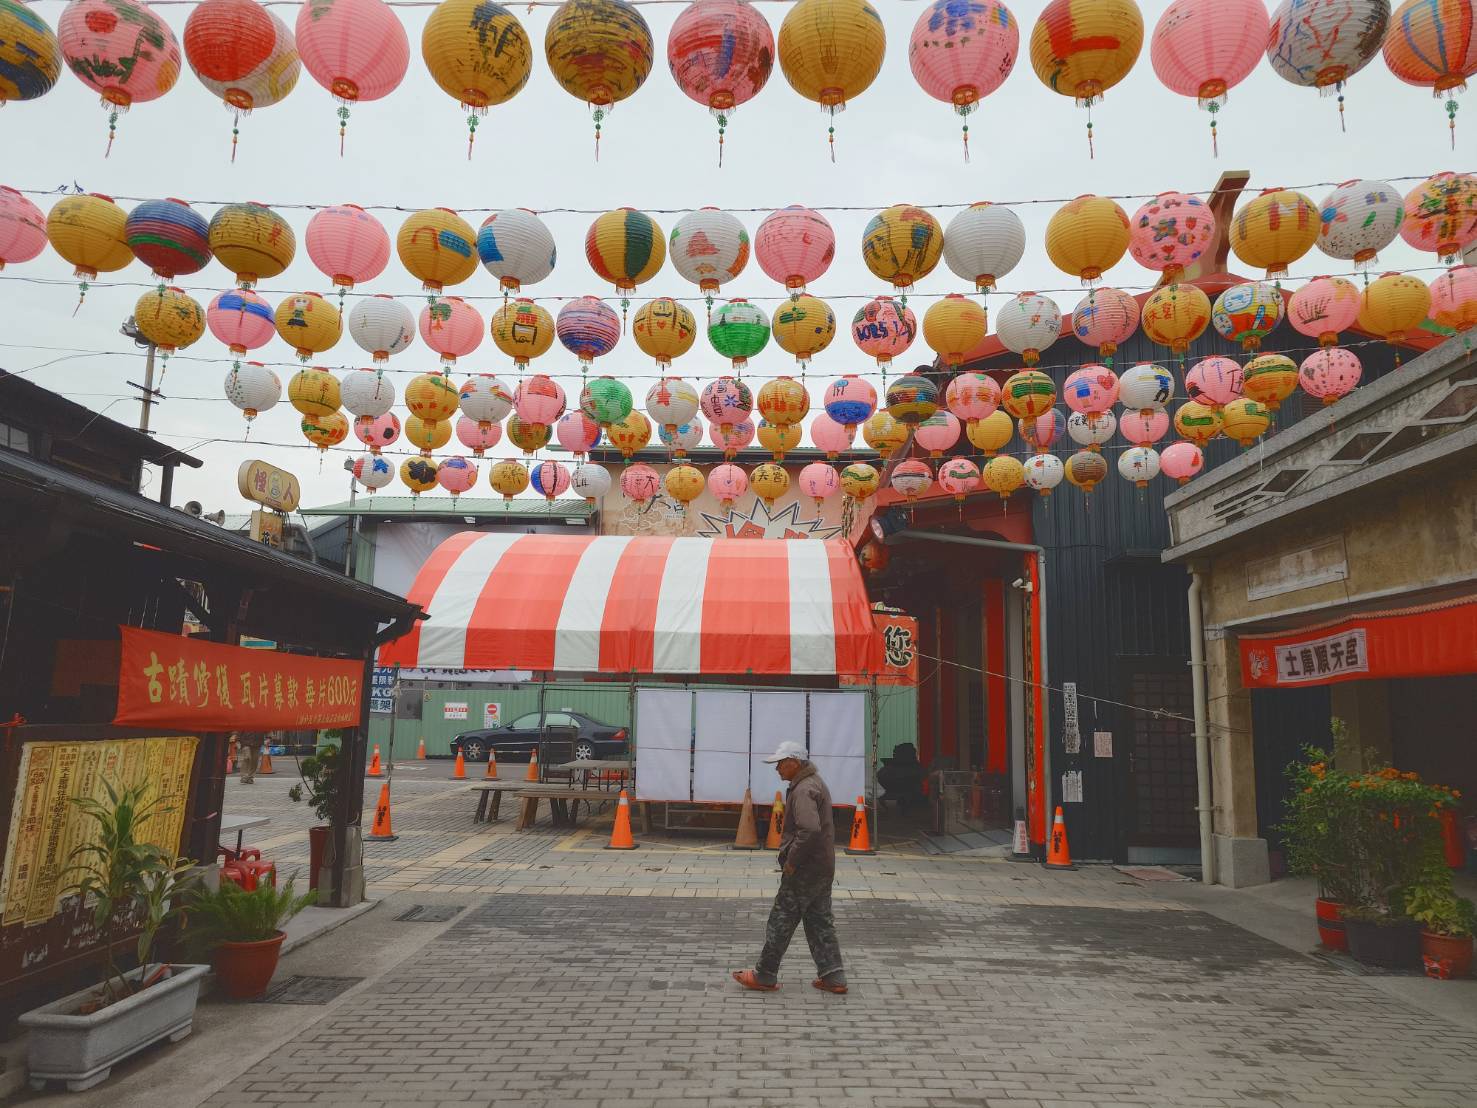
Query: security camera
[{"x": 1018, "y": 583}]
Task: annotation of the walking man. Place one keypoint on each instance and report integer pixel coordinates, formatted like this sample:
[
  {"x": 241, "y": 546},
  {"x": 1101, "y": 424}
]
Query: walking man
[
  {"x": 249, "y": 748},
  {"x": 808, "y": 865}
]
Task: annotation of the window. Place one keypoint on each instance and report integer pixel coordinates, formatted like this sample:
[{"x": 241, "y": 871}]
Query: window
[
  {"x": 15, "y": 438},
  {"x": 561, "y": 719},
  {"x": 526, "y": 723}
]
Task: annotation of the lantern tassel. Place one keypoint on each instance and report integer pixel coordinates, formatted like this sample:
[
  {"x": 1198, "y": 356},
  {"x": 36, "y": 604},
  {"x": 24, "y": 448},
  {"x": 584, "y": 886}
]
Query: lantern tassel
[
  {"x": 1091, "y": 153},
  {"x": 831, "y": 138},
  {"x": 965, "y": 129},
  {"x": 81, "y": 296},
  {"x": 1343, "y": 128},
  {"x": 471, "y": 134},
  {"x": 1213, "y": 107},
  {"x": 343, "y": 123},
  {"x": 722, "y": 127},
  {"x": 235, "y": 133},
  {"x": 1451, "y": 107},
  {"x": 113, "y": 131},
  {"x": 599, "y": 115}
]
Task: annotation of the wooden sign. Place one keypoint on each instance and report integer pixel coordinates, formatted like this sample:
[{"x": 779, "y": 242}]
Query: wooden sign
[{"x": 269, "y": 486}]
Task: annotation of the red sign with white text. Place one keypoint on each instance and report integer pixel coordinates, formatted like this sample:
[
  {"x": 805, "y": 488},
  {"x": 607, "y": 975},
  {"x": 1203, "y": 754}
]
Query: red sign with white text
[
  {"x": 899, "y": 651},
  {"x": 190, "y": 684}
]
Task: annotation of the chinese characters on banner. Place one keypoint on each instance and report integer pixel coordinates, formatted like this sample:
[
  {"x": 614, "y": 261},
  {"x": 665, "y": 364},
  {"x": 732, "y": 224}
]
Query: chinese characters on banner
[
  {"x": 189, "y": 684},
  {"x": 1316, "y": 661},
  {"x": 1071, "y": 732},
  {"x": 382, "y": 691},
  {"x": 899, "y": 652}
]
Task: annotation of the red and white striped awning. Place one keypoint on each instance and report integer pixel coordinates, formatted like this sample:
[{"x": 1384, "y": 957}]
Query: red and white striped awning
[{"x": 616, "y": 604}]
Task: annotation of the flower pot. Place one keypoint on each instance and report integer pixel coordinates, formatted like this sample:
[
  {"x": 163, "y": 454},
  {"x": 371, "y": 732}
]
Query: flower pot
[
  {"x": 1457, "y": 951},
  {"x": 1331, "y": 924},
  {"x": 317, "y": 847},
  {"x": 244, "y": 970},
  {"x": 82, "y": 1049},
  {"x": 1393, "y": 946}
]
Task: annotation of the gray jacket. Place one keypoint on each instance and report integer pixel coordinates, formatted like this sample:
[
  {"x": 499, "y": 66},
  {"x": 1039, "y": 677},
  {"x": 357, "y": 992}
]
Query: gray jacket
[{"x": 808, "y": 841}]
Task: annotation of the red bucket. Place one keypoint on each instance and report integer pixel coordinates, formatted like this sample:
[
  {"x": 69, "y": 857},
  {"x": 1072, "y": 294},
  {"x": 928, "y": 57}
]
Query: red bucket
[{"x": 1331, "y": 925}]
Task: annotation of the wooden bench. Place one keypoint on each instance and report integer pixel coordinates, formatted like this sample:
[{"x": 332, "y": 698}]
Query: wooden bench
[
  {"x": 491, "y": 795},
  {"x": 563, "y": 801}
]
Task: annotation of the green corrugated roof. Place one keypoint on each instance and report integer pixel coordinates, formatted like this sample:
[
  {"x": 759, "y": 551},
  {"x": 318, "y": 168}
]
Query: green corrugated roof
[{"x": 436, "y": 507}]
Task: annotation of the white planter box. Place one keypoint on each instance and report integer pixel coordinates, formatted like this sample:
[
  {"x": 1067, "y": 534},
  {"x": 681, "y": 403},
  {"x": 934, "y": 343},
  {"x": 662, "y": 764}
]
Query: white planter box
[{"x": 82, "y": 1050}]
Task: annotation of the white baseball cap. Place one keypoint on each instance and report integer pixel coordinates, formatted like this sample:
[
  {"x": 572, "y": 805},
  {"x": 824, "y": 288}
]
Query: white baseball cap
[{"x": 787, "y": 750}]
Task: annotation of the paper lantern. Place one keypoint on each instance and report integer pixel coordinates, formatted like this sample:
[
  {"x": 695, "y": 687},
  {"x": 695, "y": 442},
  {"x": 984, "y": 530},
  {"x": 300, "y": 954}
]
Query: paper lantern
[
  {"x": 1321, "y": 45},
  {"x": 1245, "y": 421},
  {"x": 911, "y": 479},
  {"x": 22, "y": 226},
  {"x": 356, "y": 49},
  {"x": 252, "y": 241},
  {"x": 30, "y": 57},
  {"x": 883, "y": 328},
  {"x": 1359, "y": 219},
  {"x": 433, "y": 396},
  {"x": 381, "y": 326},
  {"x": 710, "y": 246},
  {"x": 1145, "y": 386},
  {"x": 1091, "y": 429},
  {"x": 884, "y": 434},
  {"x": 606, "y": 401},
  {"x": 1275, "y": 229},
  {"x": 727, "y": 482},
  {"x": 938, "y": 433},
  {"x": 587, "y": 328},
  {"x": 962, "y": 52},
  {"x": 1003, "y": 475},
  {"x": 122, "y": 50},
  {"x": 682, "y": 437},
  {"x": 1441, "y": 214},
  {"x": 516, "y": 247},
  {"x": 1093, "y": 388},
  {"x": 640, "y": 483},
  {"x": 528, "y": 437},
  {"x": 1042, "y": 431},
  {"x": 804, "y": 326},
  {"x": 253, "y": 388},
  {"x": 849, "y": 401},
  {"x": 721, "y": 53},
  {"x": 1086, "y": 470},
  {"x": 783, "y": 401},
  {"x": 1028, "y": 394},
  {"x": 1247, "y": 313},
  {"x": 912, "y": 399},
  {"x": 1143, "y": 426},
  {"x": 309, "y": 324},
  {"x": 437, "y": 247},
  {"x": 820, "y": 482},
  {"x": 726, "y": 401},
  {"x": 477, "y": 437},
  {"x": 456, "y": 475},
  {"x": 1175, "y": 315},
  {"x": 243, "y": 54},
  {"x": 738, "y": 331},
  {"x": 241, "y": 319},
  {"x": 902, "y": 244},
  {"x": 625, "y": 247},
  {"x": 1269, "y": 380},
  {"x": 577, "y": 432},
  {"x": 373, "y": 472},
  {"x": 1181, "y": 461},
  {"x": 983, "y": 243},
  {"x": 1214, "y": 381},
  {"x": 347, "y": 244},
  {"x": 770, "y": 482},
  {"x": 378, "y": 433},
  {"x": 590, "y": 481},
  {"x": 479, "y": 55},
  {"x": 549, "y": 478},
  {"x": 522, "y": 330},
  {"x": 972, "y": 396},
  {"x": 731, "y": 438},
  {"x": 1087, "y": 236},
  {"x": 1171, "y": 232},
  {"x": 88, "y": 232},
  {"x": 1197, "y": 423},
  {"x": 1324, "y": 307},
  {"x": 1433, "y": 44},
  {"x": 828, "y": 435},
  {"x": 1454, "y": 298},
  {"x": 1139, "y": 464},
  {"x": 663, "y": 329},
  {"x": 1028, "y": 324},
  {"x": 672, "y": 401},
  {"x": 324, "y": 431},
  {"x": 366, "y": 393},
  {"x": 1082, "y": 48},
  {"x": 539, "y": 400},
  {"x": 860, "y": 481},
  {"x": 831, "y": 51},
  {"x": 991, "y": 434},
  {"x": 169, "y": 237},
  {"x": 1205, "y": 48},
  {"x": 451, "y": 327},
  {"x": 794, "y": 246},
  {"x": 953, "y": 327},
  {"x": 1330, "y": 373},
  {"x": 684, "y": 484},
  {"x": 959, "y": 477},
  {"x": 1394, "y": 305},
  {"x": 600, "y": 52},
  {"x": 1044, "y": 472},
  {"x": 508, "y": 478},
  {"x": 427, "y": 434},
  {"x": 1105, "y": 318},
  {"x": 630, "y": 433}
]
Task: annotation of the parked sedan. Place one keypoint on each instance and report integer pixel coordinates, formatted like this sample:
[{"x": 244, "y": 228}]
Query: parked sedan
[{"x": 517, "y": 740}]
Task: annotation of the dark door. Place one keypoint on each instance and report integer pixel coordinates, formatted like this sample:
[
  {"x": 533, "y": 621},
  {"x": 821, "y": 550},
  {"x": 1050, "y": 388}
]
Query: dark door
[
  {"x": 1283, "y": 721},
  {"x": 1159, "y": 787}
]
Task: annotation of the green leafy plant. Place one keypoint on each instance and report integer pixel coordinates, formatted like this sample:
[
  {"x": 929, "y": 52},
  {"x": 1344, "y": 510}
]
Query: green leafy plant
[
  {"x": 320, "y": 783},
  {"x": 1441, "y": 911},
  {"x": 1318, "y": 812},
  {"x": 231, "y": 914}
]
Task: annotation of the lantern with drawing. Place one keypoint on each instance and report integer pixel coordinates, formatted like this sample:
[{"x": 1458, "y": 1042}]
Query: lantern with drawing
[
  {"x": 1441, "y": 214},
  {"x": 883, "y": 328},
  {"x": 710, "y": 247},
  {"x": 30, "y": 58},
  {"x": 587, "y": 328},
  {"x": 1433, "y": 44},
  {"x": 732, "y": 438},
  {"x": 1197, "y": 422},
  {"x": 1145, "y": 385},
  {"x": 726, "y": 401},
  {"x": 477, "y": 438},
  {"x": 727, "y": 482},
  {"x": 452, "y": 328},
  {"x": 770, "y": 482},
  {"x": 1275, "y": 229},
  {"x": 600, "y": 52},
  {"x": 309, "y": 324},
  {"x": 721, "y": 53},
  {"x": 485, "y": 399},
  {"x": 366, "y": 393},
  {"x": 1003, "y": 475},
  {"x": 938, "y": 433},
  {"x": 89, "y": 232},
  {"x": 437, "y": 247},
  {"x": 241, "y": 319},
  {"x": 528, "y": 437},
  {"x": 738, "y": 331},
  {"x": 1170, "y": 232},
  {"x": 1091, "y": 389},
  {"x": 590, "y": 481},
  {"x": 550, "y": 479},
  {"x": 859, "y": 481},
  {"x": 684, "y": 484},
  {"x": 456, "y": 475},
  {"x": 1324, "y": 307},
  {"x": 671, "y": 402},
  {"x": 122, "y": 50},
  {"x": 804, "y": 326},
  {"x": 606, "y": 401},
  {"x": 1269, "y": 380},
  {"x": 972, "y": 396},
  {"x": 478, "y": 53},
  {"x": 1359, "y": 219},
  {"x": 1028, "y": 324},
  {"x": 1028, "y": 394},
  {"x": 378, "y": 433},
  {"x": 253, "y": 388},
  {"x": 250, "y": 240},
  {"x": 1082, "y": 48},
  {"x": 911, "y": 479},
  {"x": 630, "y": 433},
  {"x": 1176, "y": 315},
  {"x": 419, "y": 475},
  {"x": 1214, "y": 381},
  {"x": 959, "y": 477},
  {"x": 381, "y": 326},
  {"x": 324, "y": 431},
  {"x": 243, "y": 54},
  {"x": 1181, "y": 461},
  {"x": 169, "y": 237},
  {"x": 783, "y": 401},
  {"x": 794, "y": 246},
  {"x": 1092, "y": 429},
  {"x": 1139, "y": 464},
  {"x": 508, "y": 477},
  {"x": 884, "y": 434},
  {"x": 820, "y": 482},
  {"x": 960, "y": 53},
  {"x": 912, "y": 399},
  {"x": 1319, "y": 45},
  {"x": 523, "y": 331},
  {"x": 902, "y": 245},
  {"x": 432, "y": 396},
  {"x": 1330, "y": 373},
  {"x": 517, "y": 248},
  {"x": 1143, "y": 426},
  {"x": 1044, "y": 472},
  {"x": 663, "y": 329},
  {"x": 373, "y": 472},
  {"x": 850, "y": 401},
  {"x": 1086, "y": 470},
  {"x": 1247, "y": 313},
  {"x": 1104, "y": 318},
  {"x": 577, "y": 433},
  {"x": 1244, "y": 421}
]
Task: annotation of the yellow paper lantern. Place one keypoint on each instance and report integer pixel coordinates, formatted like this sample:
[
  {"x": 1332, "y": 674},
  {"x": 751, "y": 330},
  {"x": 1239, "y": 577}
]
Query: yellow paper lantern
[
  {"x": 991, "y": 434},
  {"x": 625, "y": 247},
  {"x": 600, "y": 51},
  {"x": 859, "y": 480},
  {"x": 1086, "y": 469},
  {"x": 1087, "y": 236},
  {"x": 902, "y": 244},
  {"x": 831, "y": 51},
  {"x": 663, "y": 329},
  {"x": 1004, "y": 474},
  {"x": 684, "y": 483},
  {"x": 1245, "y": 421},
  {"x": 1028, "y": 394},
  {"x": 804, "y": 326},
  {"x": 252, "y": 241},
  {"x": 953, "y": 327},
  {"x": 1270, "y": 379},
  {"x": 170, "y": 319},
  {"x": 427, "y": 435},
  {"x": 314, "y": 391},
  {"x": 309, "y": 324},
  {"x": 433, "y": 397},
  {"x": 437, "y": 247},
  {"x": 522, "y": 330},
  {"x": 508, "y": 478},
  {"x": 1082, "y": 48},
  {"x": 526, "y": 436},
  {"x": 769, "y": 482},
  {"x": 478, "y": 53},
  {"x": 1275, "y": 230},
  {"x": 88, "y": 232},
  {"x": 779, "y": 438},
  {"x": 1394, "y": 305},
  {"x": 884, "y": 434},
  {"x": 1199, "y": 423},
  {"x": 419, "y": 475},
  {"x": 783, "y": 401},
  {"x": 326, "y": 430},
  {"x": 1176, "y": 315},
  {"x": 630, "y": 434}
]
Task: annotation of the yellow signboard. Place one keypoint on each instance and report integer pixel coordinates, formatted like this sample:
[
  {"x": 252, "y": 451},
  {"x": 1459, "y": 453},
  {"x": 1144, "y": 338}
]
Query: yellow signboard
[
  {"x": 268, "y": 485},
  {"x": 46, "y": 827}
]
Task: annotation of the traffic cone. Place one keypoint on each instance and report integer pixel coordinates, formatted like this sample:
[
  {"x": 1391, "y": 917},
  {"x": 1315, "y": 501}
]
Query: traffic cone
[
  {"x": 459, "y": 772},
  {"x": 230, "y": 757},
  {"x": 776, "y": 823},
  {"x": 264, "y": 764},
  {"x": 420, "y": 751},
  {"x": 374, "y": 769},
  {"x": 620, "y": 834},
  {"x": 1020, "y": 848},
  {"x": 380, "y": 832},
  {"x": 1058, "y": 856},
  {"x": 532, "y": 774},
  {"x": 491, "y": 774},
  {"x": 748, "y": 836},
  {"x": 861, "y": 834}
]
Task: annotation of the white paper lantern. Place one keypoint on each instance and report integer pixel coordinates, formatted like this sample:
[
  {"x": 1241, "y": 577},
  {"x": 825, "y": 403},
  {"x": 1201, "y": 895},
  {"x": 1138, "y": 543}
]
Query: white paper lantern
[
  {"x": 1322, "y": 45},
  {"x": 1044, "y": 472},
  {"x": 516, "y": 247},
  {"x": 253, "y": 388},
  {"x": 682, "y": 437},
  {"x": 983, "y": 243},
  {"x": 367, "y": 392},
  {"x": 1145, "y": 385},
  {"x": 485, "y": 398},
  {"x": 1139, "y": 464},
  {"x": 382, "y": 326},
  {"x": 671, "y": 402},
  {"x": 590, "y": 481},
  {"x": 1091, "y": 429},
  {"x": 1360, "y": 218},
  {"x": 708, "y": 247},
  {"x": 373, "y": 471},
  {"x": 1029, "y": 324}
]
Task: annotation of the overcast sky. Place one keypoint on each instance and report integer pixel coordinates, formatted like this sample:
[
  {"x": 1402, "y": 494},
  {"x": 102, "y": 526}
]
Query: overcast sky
[{"x": 894, "y": 144}]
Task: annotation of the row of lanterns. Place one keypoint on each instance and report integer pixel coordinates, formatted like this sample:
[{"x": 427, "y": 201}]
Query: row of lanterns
[{"x": 721, "y": 52}]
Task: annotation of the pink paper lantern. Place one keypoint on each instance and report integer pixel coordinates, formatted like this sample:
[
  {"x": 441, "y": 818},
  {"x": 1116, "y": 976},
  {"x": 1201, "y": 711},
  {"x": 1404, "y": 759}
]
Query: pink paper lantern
[
  {"x": 1143, "y": 426},
  {"x": 830, "y": 436},
  {"x": 538, "y": 400},
  {"x": 849, "y": 400},
  {"x": 959, "y": 477},
  {"x": 972, "y": 396},
  {"x": 378, "y": 433},
  {"x": 1106, "y": 318},
  {"x": 1214, "y": 381},
  {"x": 1330, "y": 373},
  {"x": 1040, "y": 433},
  {"x": 726, "y": 482},
  {"x": 549, "y": 478},
  {"x": 456, "y": 475},
  {"x": 819, "y": 481},
  {"x": 883, "y": 329},
  {"x": 1091, "y": 389},
  {"x": 22, "y": 228},
  {"x": 1205, "y": 48},
  {"x": 1324, "y": 307},
  {"x": 477, "y": 437},
  {"x": 912, "y": 478},
  {"x": 960, "y": 53},
  {"x": 794, "y": 246},
  {"x": 640, "y": 483},
  {"x": 121, "y": 49},
  {"x": 721, "y": 53},
  {"x": 726, "y": 401},
  {"x": 731, "y": 437},
  {"x": 241, "y": 319},
  {"x": 348, "y": 245},
  {"x": 356, "y": 49},
  {"x": 577, "y": 432},
  {"x": 937, "y": 433},
  {"x": 1454, "y": 298},
  {"x": 1170, "y": 232},
  {"x": 452, "y": 328},
  {"x": 1181, "y": 461}
]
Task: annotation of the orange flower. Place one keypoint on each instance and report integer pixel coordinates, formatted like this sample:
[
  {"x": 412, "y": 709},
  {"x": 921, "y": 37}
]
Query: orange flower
[{"x": 1307, "y": 790}]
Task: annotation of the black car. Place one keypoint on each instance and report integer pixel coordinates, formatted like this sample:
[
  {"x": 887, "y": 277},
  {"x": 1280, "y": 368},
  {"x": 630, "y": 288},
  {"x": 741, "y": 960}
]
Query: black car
[{"x": 516, "y": 741}]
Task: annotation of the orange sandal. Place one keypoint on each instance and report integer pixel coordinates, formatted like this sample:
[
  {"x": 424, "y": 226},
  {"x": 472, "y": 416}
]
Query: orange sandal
[
  {"x": 747, "y": 979},
  {"x": 826, "y": 987}
]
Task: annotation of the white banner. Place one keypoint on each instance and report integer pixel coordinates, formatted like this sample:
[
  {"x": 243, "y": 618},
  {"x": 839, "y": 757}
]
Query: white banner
[
  {"x": 663, "y": 729},
  {"x": 720, "y": 757},
  {"x": 838, "y": 742}
]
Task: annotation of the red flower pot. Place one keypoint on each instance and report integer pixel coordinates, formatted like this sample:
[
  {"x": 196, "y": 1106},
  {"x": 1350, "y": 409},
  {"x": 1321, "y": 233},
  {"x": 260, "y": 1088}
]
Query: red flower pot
[
  {"x": 1458, "y": 951},
  {"x": 244, "y": 970},
  {"x": 317, "y": 847},
  {"x": 1331, "y": 924}
]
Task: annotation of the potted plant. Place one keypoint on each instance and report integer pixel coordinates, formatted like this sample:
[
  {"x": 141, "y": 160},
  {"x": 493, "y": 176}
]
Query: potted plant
[
  {"x": 1319, "y": 810},
  {"x": 243, "y": 930},
  {"x": 320, "y": 785},
  {"x": 1448, "y": 923},
  {"x": 129, "y": 885}
]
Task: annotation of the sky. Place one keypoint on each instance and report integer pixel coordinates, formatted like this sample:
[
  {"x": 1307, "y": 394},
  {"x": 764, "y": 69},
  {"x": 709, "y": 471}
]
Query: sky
[{"x": 894, "y": 144}]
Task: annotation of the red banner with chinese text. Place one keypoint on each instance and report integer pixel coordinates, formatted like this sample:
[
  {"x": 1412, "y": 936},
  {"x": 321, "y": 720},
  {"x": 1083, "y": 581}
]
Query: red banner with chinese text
[
  {"x": 1432, "y": 641},
  {"x": 899, "y": 652},
  {"x": 191, "y": 684}
]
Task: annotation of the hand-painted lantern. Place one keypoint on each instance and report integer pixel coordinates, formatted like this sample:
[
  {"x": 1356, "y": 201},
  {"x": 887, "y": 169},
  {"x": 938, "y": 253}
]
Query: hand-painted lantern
[
  {"x": 88, "y": 231},
  {"x": 1441, "y": 214},
  {"x": 1269, "y": 380},
  {"x": 1454, "y": 299},
  {"x": 1145, "y": 386},
  {"x": 522, "y": 330},
  {"x": 433, "y": 397},
  {"x": 478, "y": 53},
  {"x": 663, "y": 329},
  {"x": 1093, "y": 388},
  {"x": 1324, "y": 307},
  {"x": 820, "y": 482},
  {"x": 30, "y": 56},
  {"x": 381, "y": 326},
  {"x": 883, "y": 328},
  {"x": 831, "y": 51},
  {"x": 1320, "y": 45},
  {"x": 684, "y": 483},
  {"x": 366, "y": 393},
  {"x": 1028, "y": 324},
  {"x": 682, "y": 437},
  {"x": 253, "y": 388},
  {"x": 804, "y": 326},
  {"x": 606, "y": 401},
  {"x": 452, "y": 328},
  {"x": 1329, "y": 373},
  {"x": 672, "y": 402},
  {"x": 1214, "y": 381},
  {"x": 783, "y": 401},
  {"x": 1139, "y": 464},
  {"x": 1247, "y": 313},
  {"x": 721, "y": 53},
  {"x": 528, "y": 437},
  {"x": 1003, "y": 475},
  {"x": 436, "y": 246},
  {"x": 378, "y": 433},
  {"x": 1106, "y": 318},
  {"x": 1175, "y": 316},
  {"x": 550, "y": 479},
  {"x": 456, "y": 475},
  {"x": 850, "y": 401},
  {"x": 588, "y": 328},
  {"x": 243, "y": 54},
  {"x": 590, "y": 481},
  {"x": 1359, "y": 219},
  {"x": 938, "y": 433},
  {"x": 959, "y": 477},
  {"x": 1433, "y": 44},
  {"x": 912, "y": 399},
  {"x": 738, "y": 331},
  {"x": 1143, "y": 426},
  {"x": 517, "y": 248},
  {"x": 902, "y": 245},
  {"x": 122, "y": 50},
  {"x": 972, "y": 396},
  {"x": 309, "y": 324},
  {"x": 1197, "y": 422},
  {"x": 252, "y": 241},
  {"x": 770, "y": 482},
  {"x": 485, "y": 399},
  {"x": 1244, "y": 421},
  {"x": 241, "y": 319},
  {"x": 324, "y": 431},
  {"x": 600, "y": 52},
  {"x": 508, "y": 477},
  {"x": 630, "y": 433},
  {"x": 709, "y": 246},
  {"x": 577, "y": 433},
  {"x": 1275, "y": 229},
  {"x": 1082, "y": 48},
  {"x": 1181, "y": 461},
  {"x": 373, "y": 472},
  {"x": 884, "y": 434},
  {"x": 1028, "y": 394},
  {"x": 911, "y": 479},
  {"x": 1171, "y": 232},
  {"x": 726, "y": 401},
  {"x": 794, "y": 246},
  {"x": 169, "y": 237},
  {"x": 1086, "y": 470},
  {"x": 477, "y": 437},
  {"x": 1091, "y": 429},
  {"x": 1044, "y": 472},
  {"x": 727, "y": 482},
  {"x": 962, "y": 52},
  {"x": 860, "y": 481}
]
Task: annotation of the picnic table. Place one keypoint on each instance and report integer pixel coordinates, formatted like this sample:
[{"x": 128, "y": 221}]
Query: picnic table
[
  {"x": 605, "y": 771},
  {"x": 564, "y": 801},
  {"x": 239, "y": 824}
]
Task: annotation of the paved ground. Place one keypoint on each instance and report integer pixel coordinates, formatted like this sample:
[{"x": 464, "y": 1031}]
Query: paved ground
[{"x": 575, "y": 976}]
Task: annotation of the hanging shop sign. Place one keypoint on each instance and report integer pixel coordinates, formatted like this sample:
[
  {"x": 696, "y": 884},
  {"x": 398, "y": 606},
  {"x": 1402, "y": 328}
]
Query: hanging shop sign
[
  {"x": 899, "y": 651},
  {"x": 269, "y": 486},
  {"x": 171, "y": 681}
]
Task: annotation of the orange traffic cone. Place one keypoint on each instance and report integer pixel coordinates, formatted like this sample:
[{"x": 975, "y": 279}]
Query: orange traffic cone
[
  {"x": 459, "y": 773},
  {"x": 264, "y": 764},
  {"x": 861, "y": 834},
  {"x": 380, "y": 832},
  {"x": 420, "y": 751},
  {"x": 748, "y": 836},
  {"x": 620, "y": 834},
  {"x": 491, "y": 774},
  {"x": 532, "y": 774},
  {"x": 374, "y": 769},
  {"x": 776, "y": 823},
  {"x": 1058, "y": 856}
]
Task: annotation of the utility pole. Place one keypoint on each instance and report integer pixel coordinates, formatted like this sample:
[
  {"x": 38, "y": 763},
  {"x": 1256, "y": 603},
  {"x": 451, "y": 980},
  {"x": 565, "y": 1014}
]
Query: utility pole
[
  {"x": 353, "y": 521},
  {"x": 149, "y": 396}
]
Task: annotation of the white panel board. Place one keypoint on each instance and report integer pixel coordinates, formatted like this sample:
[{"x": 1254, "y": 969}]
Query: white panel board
[
  {"x": 838, "y": 742},
  {"x": 663, "y": 744},
  {"x": 720, "y": 759},
  {"x": 778, "y": 717}
]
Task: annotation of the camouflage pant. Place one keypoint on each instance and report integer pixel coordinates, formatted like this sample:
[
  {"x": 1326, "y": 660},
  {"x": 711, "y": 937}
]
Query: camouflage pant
[{"x": 800, "y": 900}]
